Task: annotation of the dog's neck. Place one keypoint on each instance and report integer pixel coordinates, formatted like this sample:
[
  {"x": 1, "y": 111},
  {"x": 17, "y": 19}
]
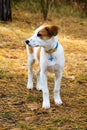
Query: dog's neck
[{"x": 51, "y": 44}]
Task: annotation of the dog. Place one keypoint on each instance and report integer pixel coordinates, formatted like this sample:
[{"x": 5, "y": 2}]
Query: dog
[{"x": 45, "y": 48}]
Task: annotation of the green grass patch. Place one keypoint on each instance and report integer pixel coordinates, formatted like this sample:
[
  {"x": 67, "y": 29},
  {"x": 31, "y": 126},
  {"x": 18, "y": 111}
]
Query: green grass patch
[
  {"x": 85, "y": 112},
  {"x": 34, "y": 97},
  {"x": 60, "y": 9},
  {"x": 33, "y": 6},
  {"x": 85, "y": 120},
  {"x": 23, "y": 126},
  {"x": 60, "y": 122},
  {"x": 82, "y": 79},
  {"x": 51, "y": 128},
  {"x": 66, "y": 10},
  {"x": 4, "y": 75},
  {"x": 69, "y": 11},
  {"x": 31, "y": 98},
  {"x": 6, "y": 115}
]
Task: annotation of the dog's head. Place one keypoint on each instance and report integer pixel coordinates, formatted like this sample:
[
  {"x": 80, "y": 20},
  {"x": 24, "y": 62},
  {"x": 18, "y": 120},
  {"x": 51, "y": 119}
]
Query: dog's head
[{"x": 42, "y": 36}]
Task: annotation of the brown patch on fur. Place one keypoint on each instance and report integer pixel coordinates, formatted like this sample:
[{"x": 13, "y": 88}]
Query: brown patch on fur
[
  {"x": 47, "y": 32},
  {"x": 43, "y": 34},
  {"x": 32, "y": 63},
  {"x": 52, "y": 30},
  {"x": 31, "y": 50},
  {"x": 38, "y": 53}
]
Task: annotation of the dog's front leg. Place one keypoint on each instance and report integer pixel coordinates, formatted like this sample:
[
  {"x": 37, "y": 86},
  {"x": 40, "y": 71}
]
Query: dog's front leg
[
  {"x": 57, "y": 97},
  {"x": 38, "y": 86},
  {"x": 30, "y": 73},
  {"x": 46, "y": 101}
]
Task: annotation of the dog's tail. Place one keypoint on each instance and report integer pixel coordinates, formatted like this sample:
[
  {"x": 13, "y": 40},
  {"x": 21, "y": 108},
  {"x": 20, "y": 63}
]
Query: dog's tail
[{"x": 27, "y": 49}]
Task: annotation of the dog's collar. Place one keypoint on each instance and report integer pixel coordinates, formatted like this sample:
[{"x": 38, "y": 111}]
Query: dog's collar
[{"x": 52, "y": 50}]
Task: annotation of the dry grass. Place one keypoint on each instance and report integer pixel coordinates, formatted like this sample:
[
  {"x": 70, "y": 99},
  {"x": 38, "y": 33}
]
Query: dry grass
[{"x": 20, "y": 109}]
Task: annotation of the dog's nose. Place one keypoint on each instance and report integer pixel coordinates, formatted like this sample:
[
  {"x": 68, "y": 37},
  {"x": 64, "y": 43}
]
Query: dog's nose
[{"x": 27, "y": 41}]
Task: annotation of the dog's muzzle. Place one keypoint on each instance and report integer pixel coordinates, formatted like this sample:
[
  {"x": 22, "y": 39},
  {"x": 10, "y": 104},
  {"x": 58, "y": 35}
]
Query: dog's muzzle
[{"x": 27, "y": 42}]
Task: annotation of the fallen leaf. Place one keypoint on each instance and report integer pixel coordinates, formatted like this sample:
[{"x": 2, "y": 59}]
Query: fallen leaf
[
  {"x": 15, "y": 129},
  {"x": 27, "y": 118},
  {"x": 32, "y": 106},
  {"x": 19, "y": 103}
]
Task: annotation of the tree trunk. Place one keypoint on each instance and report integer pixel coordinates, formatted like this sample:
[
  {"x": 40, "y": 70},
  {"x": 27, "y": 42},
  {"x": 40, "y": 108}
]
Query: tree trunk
[
  {"x": 5, "y": 10},
  {"x": 45, "y": 4}
]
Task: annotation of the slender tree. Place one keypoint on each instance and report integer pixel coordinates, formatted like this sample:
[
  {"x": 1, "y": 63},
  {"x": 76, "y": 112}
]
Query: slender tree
[
  {"x": 5, "y": 10},
  {"x": 46, "y": 4}
]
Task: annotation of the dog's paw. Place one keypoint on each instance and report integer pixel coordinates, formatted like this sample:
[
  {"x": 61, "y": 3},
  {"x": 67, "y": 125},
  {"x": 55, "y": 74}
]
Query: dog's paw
[
  {"x": 29, "y": 85},
  {"x": 46, "y": 105},
  {"x": 38, "y": 87},
  {"x": 58, "y": 101}
]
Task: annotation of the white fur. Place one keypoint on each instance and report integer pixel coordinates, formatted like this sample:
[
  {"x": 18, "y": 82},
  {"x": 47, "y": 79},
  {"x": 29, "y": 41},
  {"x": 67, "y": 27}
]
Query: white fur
[{"x": 55, "y": 66}]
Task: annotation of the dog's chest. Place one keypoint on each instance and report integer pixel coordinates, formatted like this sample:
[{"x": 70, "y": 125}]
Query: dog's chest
[
  {"x": 47, "y": 61},
  {"x": 51, "y": 64},
  {"x": 51, "y": 60}
]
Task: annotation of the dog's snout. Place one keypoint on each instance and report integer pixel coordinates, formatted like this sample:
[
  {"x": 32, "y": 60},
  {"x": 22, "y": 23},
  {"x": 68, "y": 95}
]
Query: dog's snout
[{"x": 27, "y": 41}]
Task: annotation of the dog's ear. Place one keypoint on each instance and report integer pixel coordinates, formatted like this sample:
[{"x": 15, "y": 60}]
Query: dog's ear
[{"x": 52, "y": 30}]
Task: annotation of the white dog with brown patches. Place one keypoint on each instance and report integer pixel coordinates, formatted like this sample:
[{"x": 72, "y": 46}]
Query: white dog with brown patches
[{"x": 45, "y": 48}]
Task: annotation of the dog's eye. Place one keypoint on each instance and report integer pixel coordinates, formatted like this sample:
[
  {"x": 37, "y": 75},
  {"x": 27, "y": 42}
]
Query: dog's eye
[{"x": 39, "y": 35}]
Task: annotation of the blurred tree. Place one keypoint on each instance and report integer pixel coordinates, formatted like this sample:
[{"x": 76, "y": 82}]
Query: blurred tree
[
  {"x": 5, "y": 10},
  {"x": 80, "y": 5},
  {"x": 46, "y": 4}
]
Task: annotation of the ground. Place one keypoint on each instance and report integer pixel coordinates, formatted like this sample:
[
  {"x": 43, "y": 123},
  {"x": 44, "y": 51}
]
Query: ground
[{"x": 20, "y": 109}]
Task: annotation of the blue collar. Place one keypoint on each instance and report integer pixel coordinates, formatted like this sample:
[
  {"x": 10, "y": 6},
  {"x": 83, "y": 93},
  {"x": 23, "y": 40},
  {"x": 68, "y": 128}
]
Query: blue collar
[
  {"x": 52, "y": 50},
  {"x": 51, "y": 58},
  {"x": 56, "y": 45}
]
